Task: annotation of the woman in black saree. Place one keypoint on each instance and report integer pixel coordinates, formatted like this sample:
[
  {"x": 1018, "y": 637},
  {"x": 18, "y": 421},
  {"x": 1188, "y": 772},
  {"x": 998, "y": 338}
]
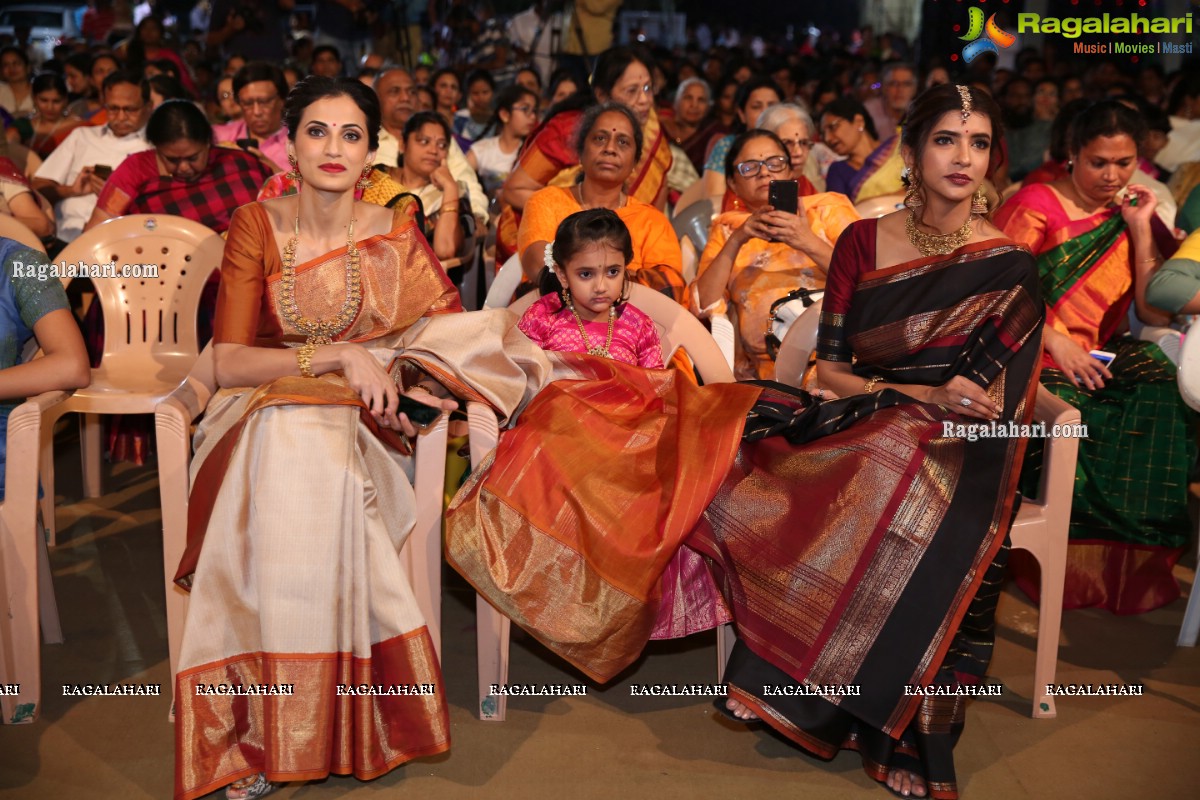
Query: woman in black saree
[{"x": 860, "y": 542}]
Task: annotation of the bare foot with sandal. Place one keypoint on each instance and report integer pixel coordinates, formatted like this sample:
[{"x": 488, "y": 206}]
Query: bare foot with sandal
[
  {"x": 740, "y": 710},
  {"x": 905, "y": 783}
]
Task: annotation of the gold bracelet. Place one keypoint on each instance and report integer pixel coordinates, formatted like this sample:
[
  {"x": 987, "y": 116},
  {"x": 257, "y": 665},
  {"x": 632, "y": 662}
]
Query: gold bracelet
[
  {"x": 452, "y": 208},
  {"x": 1149, "y": 260},
  {"x": 304, "y": 354},
  {"x": 869, "y": 386}
]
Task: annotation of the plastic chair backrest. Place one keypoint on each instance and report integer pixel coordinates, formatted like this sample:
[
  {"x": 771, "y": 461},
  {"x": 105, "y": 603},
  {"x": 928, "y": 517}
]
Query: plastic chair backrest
[
  {"x": 149, "y": 316},
  {"x": 694, "y": 222},
  {"x": 878, "y": 206},
  {"x": 12, "y": 228},
  {"x": 677, "y": 328},
  {"x": 508, "y": 277},
  {"x": 797, "y": 345}
]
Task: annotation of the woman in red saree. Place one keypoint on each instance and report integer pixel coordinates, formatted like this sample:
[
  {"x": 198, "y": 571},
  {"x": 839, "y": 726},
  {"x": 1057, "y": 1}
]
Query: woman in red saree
[
  {"x": 1096, "y": 253},
  {"x": 831, "y": 518},
  {"x": 548, "y": 157},
  {"x": 301, "y": 498}
]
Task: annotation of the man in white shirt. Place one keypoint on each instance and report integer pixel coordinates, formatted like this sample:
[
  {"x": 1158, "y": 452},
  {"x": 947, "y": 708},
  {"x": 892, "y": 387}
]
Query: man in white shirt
[
  {"x": 74, "y": 173},
  {"x": 396, "y": 103}
]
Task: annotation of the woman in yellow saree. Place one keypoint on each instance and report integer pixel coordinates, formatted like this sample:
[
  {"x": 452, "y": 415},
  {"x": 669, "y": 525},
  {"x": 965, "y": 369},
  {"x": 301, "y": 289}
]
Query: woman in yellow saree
[
  {"x": 301, "y": 498},
  {"x": 872, "y": 166}
]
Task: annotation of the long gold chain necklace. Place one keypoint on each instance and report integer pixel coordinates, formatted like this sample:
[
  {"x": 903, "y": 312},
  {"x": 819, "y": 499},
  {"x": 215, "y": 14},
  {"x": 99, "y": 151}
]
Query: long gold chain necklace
[
  {"x": 318, "y": 331},
  {"x": 936, "y": 244},
  {"x": 596, "y": 351}
]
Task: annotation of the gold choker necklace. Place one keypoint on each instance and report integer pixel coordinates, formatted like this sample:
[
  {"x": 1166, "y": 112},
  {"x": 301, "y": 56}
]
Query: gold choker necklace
[
  {"x": 936, "y": 244},
  {"x": 595, "y": 351},
  {"x": 319, "y": 332}
]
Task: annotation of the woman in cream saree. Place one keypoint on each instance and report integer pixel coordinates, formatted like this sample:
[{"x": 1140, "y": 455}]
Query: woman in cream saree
[{"x": 301, "y": 496}]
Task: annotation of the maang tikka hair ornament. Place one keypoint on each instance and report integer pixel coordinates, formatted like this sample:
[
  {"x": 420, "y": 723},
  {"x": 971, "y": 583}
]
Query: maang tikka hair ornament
[{"x": 965, "y": 93}]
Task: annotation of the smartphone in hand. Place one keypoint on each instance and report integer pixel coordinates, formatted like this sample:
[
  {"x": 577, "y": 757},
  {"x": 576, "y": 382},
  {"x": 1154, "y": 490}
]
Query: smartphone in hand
[
  {"x": 102, "y": 171},
  {"x": 1103, "y": 356},
  {"x": 784, "y": 196},
  {"x": 246, "y": 143},
  {"x": 418, "y": 413}
]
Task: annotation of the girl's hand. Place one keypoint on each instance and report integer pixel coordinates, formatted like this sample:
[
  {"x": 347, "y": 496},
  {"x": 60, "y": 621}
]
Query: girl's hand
[
  {"x": 407, "y": 426},
  {"x": 373, "y": 384},
  {"x": 1143, "y": 211},
  {"x": 791, "y": 229},
  {"x": 1079, "y": 367},
  {"x": 952, "y": 392}
]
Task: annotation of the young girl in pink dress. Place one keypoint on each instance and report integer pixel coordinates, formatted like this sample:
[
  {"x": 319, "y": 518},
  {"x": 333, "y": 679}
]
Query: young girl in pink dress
[
  {"x": 583, "y": 310},
  {"x": 590, "y": 315}
]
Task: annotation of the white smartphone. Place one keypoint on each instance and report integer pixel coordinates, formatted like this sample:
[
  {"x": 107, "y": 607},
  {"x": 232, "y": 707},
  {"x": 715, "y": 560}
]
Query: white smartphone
[{"x": 1103, "y": 356}]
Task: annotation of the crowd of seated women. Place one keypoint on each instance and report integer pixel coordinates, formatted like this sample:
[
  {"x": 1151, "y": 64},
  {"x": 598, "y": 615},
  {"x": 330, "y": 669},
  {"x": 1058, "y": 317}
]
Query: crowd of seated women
[{"x": 340, "y": 199}]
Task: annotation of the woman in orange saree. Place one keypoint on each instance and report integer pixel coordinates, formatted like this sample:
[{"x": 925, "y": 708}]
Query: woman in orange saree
[
  {"x": 1096, "y": 254},
  {"x": 301, "y": 499},
  {"x": 549, "y": 158},
  {"x": 609, "y": 144},
  {"x": 756, "y": 255}
]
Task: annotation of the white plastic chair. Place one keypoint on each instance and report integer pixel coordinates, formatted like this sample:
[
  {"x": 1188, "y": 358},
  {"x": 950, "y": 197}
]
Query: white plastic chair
[
  {"x": 878, "y": 206},
  {"x": 507, "y": 279},
  {"x": 1041, "y": 526},
  {"x": 797, "y": 345},
  {"x": 173, "y": 419},
  {"x": 149, "y": 328},
  {"x": 26, "y": 588},
  {"x": 1189, "y": 390},
  {"x": 677, "y": 328}
]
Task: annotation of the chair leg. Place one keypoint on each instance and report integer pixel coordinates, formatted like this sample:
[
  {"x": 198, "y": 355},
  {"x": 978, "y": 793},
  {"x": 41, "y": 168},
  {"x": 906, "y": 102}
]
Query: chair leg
[
  {"x": 46, "y": 476},
  {"x": 1054, "y": 565},
  {"x": 726, "y": 638},
  {"x": 89, "y": 441},
  {"x": 47, "y": 604},
  {"x": 1191, "y": 618},
  {"x": 491, "y": 638}
]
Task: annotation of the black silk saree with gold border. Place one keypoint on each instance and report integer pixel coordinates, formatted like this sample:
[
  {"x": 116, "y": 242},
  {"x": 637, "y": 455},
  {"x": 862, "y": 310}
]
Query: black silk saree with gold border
[{"x": 851, "y": 539}]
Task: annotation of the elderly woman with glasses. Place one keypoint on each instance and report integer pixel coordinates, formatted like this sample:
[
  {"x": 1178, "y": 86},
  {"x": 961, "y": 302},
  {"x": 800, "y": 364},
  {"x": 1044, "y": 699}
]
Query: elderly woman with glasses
[
  {"x": 757, "y": 254},
  {"x": 871, "y": 167}
]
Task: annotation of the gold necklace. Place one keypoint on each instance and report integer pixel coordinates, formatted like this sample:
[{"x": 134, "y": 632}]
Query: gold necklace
[
  {"x": 577, "y": 190},
  {"x": 319, "y": 332},
  {"x": 936, "y": 244},
  {"x": 595, "y": 351}
]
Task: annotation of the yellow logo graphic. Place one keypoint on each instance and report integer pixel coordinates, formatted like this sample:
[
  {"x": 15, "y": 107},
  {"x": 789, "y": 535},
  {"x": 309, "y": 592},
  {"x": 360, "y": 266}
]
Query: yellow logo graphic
[{"x": 984, "y": 38}]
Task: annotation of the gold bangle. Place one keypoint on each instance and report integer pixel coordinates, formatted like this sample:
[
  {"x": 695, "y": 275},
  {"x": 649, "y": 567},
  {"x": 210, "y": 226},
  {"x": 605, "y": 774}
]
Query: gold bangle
[
  {"x": 452, "y": 208},
  {"x": 304, "y": 354},
  {"x": 1149, "y": 260},
  {"x": 869, "y": 386}
]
